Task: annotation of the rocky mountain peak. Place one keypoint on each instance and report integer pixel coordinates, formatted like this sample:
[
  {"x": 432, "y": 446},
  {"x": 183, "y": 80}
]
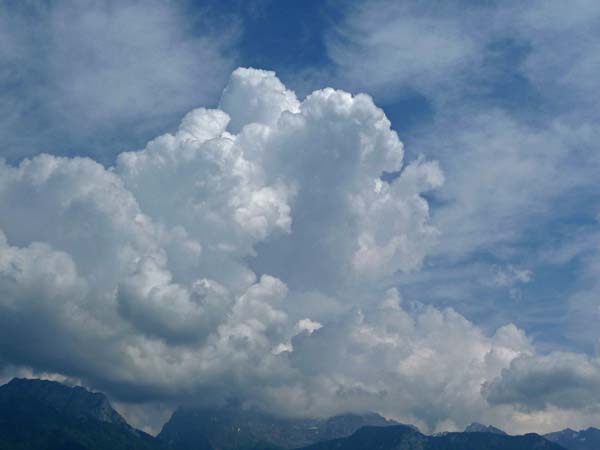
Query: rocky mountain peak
[
  {"x": 23, "y": 394},
  {"x": 477, "y": 427}
]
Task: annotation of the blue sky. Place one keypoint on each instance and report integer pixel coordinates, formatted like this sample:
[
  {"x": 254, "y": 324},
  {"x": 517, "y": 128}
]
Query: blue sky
[{"x": 503, "y": 95}]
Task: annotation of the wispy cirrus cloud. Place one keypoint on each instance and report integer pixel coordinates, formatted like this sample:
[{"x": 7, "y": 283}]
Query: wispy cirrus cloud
[
  {"x": 92, "y": 78},
  {"x": 510, "y": 93}
]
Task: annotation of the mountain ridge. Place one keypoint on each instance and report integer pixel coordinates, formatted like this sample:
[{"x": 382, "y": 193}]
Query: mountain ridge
[
  {"x": 75, "y": 401},
  {"x": 47, "y": 415},
  {"x": 477, "y": 427},
  {"x": 401, "y": 437},
  {"x": 588, "y": 439},
  {"x": 229, "y": 428}
]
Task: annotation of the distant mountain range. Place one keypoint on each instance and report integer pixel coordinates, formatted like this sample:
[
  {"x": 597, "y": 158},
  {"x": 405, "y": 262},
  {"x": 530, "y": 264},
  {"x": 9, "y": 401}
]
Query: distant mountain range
[
  {"x": 576, "y": 440},
  {"x": 569, "y": 439},
  {"x": 46, "y": 415},
  {"x": 401, "y": 437},
  {"x": 233, "y": 428}
]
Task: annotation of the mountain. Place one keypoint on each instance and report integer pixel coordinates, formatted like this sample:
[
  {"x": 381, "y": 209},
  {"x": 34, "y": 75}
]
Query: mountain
[
  {"x": 477, "y": 427},
  {"x": 46, "y": 415},
  {"x": 576, "y": 440},
  {"x": 401, "y": 437},
  {"x": 232, "y": 428}
]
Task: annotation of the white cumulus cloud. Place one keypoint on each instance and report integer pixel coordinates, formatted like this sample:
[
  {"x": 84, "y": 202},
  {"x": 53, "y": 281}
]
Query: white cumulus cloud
[{"x": 244, "y": 256}]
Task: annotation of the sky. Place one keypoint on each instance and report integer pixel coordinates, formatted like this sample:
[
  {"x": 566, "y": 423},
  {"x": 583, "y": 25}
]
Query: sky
[{"x": 308, "y": 207}]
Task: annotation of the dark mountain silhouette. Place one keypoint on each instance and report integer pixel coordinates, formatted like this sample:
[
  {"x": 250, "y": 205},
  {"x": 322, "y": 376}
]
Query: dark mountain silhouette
[
  {"x": 46, "y": 415},
  {"x": 401, "y": 437},
  {"x": 576, "y": 440},
  {"x": 231, "y": 428}
]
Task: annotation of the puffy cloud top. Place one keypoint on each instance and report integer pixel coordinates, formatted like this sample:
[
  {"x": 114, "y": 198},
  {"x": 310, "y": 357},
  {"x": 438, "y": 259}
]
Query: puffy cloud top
[{"x": 256, "y": 96}]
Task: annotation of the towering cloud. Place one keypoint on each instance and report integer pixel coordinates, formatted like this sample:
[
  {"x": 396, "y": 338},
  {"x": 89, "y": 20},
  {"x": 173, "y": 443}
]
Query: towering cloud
[{"x": 246, "y": 256}]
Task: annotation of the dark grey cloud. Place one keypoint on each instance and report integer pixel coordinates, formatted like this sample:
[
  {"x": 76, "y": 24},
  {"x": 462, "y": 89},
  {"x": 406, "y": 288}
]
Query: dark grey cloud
[{"x": 562, "y": 380}]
